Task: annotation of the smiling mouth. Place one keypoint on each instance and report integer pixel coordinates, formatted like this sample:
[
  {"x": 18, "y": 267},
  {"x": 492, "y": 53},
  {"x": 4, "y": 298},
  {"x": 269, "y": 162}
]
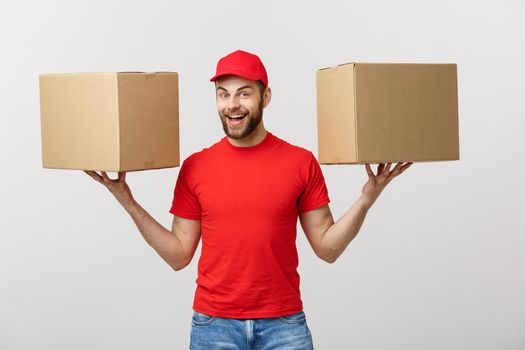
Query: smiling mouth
[{"x": 236, "y": 119}]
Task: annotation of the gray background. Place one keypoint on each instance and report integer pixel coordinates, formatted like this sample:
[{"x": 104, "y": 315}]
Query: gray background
[{"x": 439, "y": 262}]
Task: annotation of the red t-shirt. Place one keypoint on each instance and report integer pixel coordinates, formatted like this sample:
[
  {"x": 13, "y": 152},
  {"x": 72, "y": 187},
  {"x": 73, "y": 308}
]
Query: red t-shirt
[{"x": 248, "y": 200}]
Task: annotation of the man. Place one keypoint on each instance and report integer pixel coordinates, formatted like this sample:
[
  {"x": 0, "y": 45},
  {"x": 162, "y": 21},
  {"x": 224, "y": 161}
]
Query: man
[{"x": 244, "y": 194}]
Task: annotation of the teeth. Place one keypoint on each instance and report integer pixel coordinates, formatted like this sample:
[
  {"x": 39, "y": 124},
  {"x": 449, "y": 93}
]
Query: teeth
[{"x": 236, "y": 116}]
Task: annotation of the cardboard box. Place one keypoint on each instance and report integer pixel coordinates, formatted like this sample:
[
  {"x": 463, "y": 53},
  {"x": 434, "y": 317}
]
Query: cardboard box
[
  {"x": 121, "y": 121},
  {"x": 378, "y": 113}
]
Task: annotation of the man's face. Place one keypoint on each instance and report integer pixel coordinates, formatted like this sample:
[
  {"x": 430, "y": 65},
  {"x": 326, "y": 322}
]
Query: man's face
[{"x": 239, "y": 97}]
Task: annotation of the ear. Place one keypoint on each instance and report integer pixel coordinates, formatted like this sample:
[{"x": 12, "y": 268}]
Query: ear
[{"x": 267, "y": 97}]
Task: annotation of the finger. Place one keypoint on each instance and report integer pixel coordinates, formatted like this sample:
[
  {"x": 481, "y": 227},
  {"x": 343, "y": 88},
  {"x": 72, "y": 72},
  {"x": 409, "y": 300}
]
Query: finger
[
  {"x": 405, "y": 167},
  {"x": 369, "y": 170},
  {"x": 380, "y": 168},
  {"x": 387, "y": 168},
  {"x": 399, "y": 171},
  {"x": 105, "y": 177},
  {"x": 121, "y": 176},
  {"x": 95, "y": 176},
  {"x": 394, "y": 172},
  {"x": 396, "y": 169}
]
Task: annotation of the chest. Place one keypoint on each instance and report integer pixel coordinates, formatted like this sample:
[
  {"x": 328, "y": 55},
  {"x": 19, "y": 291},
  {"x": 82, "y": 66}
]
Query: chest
[{"x": 254, "y": 188}]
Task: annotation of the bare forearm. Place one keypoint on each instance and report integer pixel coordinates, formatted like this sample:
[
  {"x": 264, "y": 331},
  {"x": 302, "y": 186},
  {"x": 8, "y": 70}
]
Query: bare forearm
[
  {"x": 341, "y": 233},
  {"x": 165, "y": 243}
]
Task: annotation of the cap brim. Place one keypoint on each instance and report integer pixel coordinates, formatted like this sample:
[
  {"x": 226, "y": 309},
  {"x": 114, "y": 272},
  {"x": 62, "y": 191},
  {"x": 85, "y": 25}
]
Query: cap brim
[{"x": 242, "y": 74}]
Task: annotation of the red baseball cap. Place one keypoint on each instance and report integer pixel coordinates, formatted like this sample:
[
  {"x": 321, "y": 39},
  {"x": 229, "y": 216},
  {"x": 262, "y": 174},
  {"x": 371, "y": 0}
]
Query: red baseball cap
[{"x": 244, "y": 64}]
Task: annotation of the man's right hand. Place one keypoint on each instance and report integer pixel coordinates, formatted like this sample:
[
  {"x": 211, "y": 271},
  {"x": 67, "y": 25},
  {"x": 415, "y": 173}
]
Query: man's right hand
[{"x": 119, "y": 188}]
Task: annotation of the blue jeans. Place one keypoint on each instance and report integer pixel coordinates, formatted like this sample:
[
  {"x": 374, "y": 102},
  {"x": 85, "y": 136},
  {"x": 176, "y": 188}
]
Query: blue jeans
[{"x": 285, "y": 332}]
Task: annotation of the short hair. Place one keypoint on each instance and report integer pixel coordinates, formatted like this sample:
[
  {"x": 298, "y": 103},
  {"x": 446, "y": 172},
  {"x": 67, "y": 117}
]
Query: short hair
[{"x": 262, "y": 88}]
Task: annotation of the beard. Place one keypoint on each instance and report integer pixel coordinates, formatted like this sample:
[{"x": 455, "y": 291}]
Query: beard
[{"x": 248, "y": 125}]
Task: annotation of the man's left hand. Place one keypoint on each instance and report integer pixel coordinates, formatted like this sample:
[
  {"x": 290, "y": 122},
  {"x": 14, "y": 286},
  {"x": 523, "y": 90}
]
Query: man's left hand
[{"x": 376, "y": 183}]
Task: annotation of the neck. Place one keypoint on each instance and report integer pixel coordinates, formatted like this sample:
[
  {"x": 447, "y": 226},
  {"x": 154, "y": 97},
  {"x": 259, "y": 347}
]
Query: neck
[{"x": 256, "y": 137}]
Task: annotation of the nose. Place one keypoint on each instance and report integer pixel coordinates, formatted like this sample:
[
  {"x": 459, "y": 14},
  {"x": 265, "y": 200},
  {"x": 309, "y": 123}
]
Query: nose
[{"x": 233, "y": 102}]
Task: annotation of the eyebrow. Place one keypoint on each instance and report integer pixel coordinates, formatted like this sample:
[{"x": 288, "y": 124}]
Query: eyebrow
[{"x": 242, "y": 87}]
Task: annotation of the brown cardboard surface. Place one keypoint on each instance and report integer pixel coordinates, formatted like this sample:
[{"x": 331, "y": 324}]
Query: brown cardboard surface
[
  {"x": 123, "y": 121},
  {"x": 375, "y": 113}
]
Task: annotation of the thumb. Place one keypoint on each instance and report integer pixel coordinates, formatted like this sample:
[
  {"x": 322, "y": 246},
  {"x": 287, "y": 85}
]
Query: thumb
[{"x": 105, "y": 177}]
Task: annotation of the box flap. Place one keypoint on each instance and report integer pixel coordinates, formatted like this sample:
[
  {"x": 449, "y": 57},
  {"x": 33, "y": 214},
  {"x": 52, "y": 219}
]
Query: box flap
[
  {"x": 75, "y": 74},
  {"x": 342, "y": 64},
  {"x": 142, "y": 72}
]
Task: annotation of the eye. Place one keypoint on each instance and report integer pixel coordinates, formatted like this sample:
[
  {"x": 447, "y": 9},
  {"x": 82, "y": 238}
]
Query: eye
[{"x": 244, "y": 94}]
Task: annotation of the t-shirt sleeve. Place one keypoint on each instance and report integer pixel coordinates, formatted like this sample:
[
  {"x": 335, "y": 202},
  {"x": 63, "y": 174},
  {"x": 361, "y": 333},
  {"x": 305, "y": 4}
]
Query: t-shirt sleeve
[
  {"x": 185, "y": 203},
  {"x": 315, "y": 193}
]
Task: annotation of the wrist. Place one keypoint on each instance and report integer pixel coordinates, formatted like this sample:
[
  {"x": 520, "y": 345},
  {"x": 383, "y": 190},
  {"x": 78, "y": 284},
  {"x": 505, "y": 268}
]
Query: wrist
[
  {"x": 365, "y": 203},
  {"x": 131, "y": 206}
]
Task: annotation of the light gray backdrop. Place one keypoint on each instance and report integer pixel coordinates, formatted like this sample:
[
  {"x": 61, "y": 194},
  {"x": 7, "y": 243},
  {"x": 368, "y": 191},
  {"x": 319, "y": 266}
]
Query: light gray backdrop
[{"x": 439, "y": 262}]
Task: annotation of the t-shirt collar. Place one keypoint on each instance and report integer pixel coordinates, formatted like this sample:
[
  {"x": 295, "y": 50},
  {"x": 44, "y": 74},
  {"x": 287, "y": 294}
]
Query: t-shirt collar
[{"x": 263, "y": 144}]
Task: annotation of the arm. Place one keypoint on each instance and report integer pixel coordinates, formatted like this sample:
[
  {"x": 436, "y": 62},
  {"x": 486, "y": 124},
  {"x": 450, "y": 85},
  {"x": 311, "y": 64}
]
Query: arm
[
  {"x": 177, "y": 246},
  {"x": 329, "y": 239}
]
